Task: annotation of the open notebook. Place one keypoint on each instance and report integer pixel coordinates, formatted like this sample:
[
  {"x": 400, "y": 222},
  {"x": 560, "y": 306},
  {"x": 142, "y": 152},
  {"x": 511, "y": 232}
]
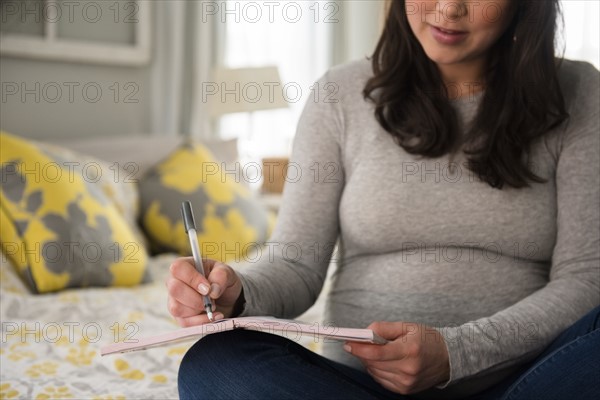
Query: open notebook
[{"x": 291, "y": 329}]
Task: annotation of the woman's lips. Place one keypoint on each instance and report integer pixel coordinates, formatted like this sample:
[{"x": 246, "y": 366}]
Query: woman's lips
[{"x": 447, "y": 36}]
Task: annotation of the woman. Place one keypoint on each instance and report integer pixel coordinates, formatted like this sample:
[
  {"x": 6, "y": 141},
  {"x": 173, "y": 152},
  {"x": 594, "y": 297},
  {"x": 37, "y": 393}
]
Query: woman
[{"x": 459, "y": 171}]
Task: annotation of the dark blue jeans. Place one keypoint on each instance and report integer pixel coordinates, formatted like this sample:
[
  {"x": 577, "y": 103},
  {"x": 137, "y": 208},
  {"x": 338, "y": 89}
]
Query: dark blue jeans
[{"x": 253, "y": 365}]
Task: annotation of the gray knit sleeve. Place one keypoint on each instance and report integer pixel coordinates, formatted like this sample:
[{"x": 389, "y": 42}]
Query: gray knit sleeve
[
  {"x": 521, "y": 331},
  {"x": 289, "y": 274}
]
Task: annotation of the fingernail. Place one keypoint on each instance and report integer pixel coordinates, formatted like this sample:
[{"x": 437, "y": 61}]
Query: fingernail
[
  {"x": 203, "y": 288},
  {"x": 218, "y": 316},
  {"x": 348, "y": 348},
  {"x": 215, "y": 289}
]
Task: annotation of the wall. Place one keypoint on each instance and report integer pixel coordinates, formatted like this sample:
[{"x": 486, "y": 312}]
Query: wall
[
  {"x": 76, "y": 113},
  {"x": 91, "y": 100}
]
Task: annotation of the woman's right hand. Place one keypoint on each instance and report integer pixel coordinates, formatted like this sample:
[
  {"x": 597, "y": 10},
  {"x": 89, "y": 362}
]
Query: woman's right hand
[{"x": 186, "y": 287}]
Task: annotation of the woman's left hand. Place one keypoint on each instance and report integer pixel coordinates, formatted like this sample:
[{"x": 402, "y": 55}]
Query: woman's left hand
[{"x": 414, "y": 359}]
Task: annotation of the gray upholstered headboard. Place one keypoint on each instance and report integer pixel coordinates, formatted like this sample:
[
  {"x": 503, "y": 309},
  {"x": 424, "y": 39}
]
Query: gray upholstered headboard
[{"x": 144, "y": 150}]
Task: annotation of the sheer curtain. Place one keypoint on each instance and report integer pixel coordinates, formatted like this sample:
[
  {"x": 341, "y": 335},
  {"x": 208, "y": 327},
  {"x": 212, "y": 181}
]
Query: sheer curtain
[
  {"x": 581, "y": 30},
  {"x": 296, "y": 37}
]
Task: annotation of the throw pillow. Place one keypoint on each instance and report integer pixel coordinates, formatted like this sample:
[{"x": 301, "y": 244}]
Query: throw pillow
[
  {"x": 229, "y": 221},
  {"x": 59, "y": 227}
]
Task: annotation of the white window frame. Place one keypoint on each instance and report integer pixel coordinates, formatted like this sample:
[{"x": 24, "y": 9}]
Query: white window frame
[{"x": 51, "y": 47}]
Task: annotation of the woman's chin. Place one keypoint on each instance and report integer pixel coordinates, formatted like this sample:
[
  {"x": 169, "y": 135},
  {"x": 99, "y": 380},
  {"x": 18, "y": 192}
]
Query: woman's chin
[
  {"x": 446, "y": 62},
  {"x": 450, "y": 61}
]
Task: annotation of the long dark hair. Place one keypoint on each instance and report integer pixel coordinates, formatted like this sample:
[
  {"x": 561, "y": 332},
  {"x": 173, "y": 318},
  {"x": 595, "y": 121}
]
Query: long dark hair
[{"x": 522, "y": 99}]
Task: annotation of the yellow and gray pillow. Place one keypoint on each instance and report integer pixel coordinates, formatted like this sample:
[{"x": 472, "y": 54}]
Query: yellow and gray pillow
[
  {"x": 59, "y": 226},
  {"x": 229, "y": 221}
]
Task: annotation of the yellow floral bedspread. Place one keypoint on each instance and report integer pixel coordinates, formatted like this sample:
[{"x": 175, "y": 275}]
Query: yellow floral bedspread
[{"x": 50, "y": 345}]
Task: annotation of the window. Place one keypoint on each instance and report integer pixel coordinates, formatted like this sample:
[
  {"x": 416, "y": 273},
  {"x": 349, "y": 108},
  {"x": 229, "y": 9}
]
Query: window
[
  {"x": 293, "y": 35},
  {"x": 581, "y": 30},
  {"x": 100, "y": 32}
]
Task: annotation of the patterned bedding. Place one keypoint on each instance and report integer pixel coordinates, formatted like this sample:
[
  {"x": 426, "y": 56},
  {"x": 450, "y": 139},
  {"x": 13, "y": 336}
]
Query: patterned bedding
[{"x": 50, "y": 343}]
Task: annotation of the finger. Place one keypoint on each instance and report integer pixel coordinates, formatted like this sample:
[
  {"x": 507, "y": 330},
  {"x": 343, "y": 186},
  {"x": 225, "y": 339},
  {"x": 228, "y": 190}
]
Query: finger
[
  {"x": 180, "y": 310},
  {"x": 404, "y": 382},
  {"x": 387, "y": 382},
  {"x": 406, "y": 369},
  {"x": 184, "y": 269},
  {"x": 375, "y": 352},
  {"x": 209, "y": 264},
  {"x": 184, "y": 294},
  {"x": 221, "y": 278},
  {"x": 393, "y": 330},
  {"x": 197, "y": 320}
]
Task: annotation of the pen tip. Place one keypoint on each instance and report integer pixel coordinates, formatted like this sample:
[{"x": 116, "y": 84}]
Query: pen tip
[{"x": 210, "y": 315}]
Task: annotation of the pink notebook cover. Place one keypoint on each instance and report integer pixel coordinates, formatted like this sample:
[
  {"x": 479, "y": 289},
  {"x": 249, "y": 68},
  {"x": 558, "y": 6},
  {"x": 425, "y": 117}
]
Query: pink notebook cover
[{"x": 291, "y": 329}]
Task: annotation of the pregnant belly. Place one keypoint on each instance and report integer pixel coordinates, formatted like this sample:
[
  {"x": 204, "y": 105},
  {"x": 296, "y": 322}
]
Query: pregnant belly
[{"x": 387, "y": 288}]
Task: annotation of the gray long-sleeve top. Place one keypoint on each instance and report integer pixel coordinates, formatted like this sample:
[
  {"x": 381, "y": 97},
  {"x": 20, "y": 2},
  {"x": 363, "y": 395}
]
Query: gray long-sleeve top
[{"x": 499, "y": 273}]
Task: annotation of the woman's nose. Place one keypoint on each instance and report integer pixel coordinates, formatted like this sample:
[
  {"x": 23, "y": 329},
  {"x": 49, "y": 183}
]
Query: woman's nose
[{"x": 451, "y": 10}]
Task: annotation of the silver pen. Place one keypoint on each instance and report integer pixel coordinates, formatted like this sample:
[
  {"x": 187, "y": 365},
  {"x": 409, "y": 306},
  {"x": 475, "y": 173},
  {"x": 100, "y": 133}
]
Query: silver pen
[{"x": 190, "y": 229}]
